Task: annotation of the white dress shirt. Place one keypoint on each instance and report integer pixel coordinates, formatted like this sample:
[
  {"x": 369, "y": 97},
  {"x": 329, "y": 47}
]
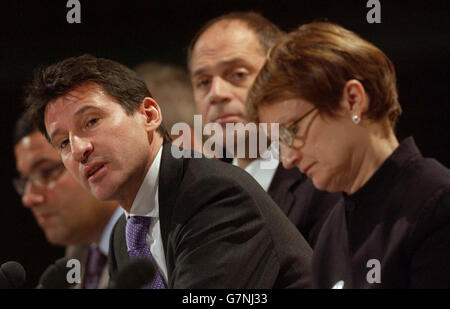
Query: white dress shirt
[
  {"x": 262, "y": 170},
  {"x": 103, "y": 244},
  {"x": 146, "y": 204}
]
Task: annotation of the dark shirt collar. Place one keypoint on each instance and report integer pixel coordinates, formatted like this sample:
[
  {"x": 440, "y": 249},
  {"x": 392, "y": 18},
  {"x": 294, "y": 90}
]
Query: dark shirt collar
[{"x": 383, "y": 180}]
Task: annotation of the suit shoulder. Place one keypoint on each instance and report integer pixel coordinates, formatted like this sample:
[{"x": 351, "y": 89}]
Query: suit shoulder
[
  {"x": 427, "y": 174},
  {"x": 426, "y": 197},
  {"x": 211, "y": 170}
]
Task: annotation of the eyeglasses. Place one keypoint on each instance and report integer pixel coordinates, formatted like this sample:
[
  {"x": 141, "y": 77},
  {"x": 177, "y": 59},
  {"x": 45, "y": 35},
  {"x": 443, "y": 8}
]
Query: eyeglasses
[
  {"x": 287, "y": 135},
  {"x": 39, "y": 179}
]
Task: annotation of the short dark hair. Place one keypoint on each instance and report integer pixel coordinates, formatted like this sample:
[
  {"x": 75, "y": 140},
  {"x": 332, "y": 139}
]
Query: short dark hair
[
  {"x": 268, "y": 33},
  {"x": 24, "y": 127},
  {"x": 58, "y": 79}
]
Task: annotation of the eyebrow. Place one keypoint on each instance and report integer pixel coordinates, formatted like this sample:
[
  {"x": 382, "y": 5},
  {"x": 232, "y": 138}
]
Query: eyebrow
[
  {"x": 41, "y": 162},
  {"x": 236, "y": 60},
  {"x": 83, "y": 109},
  {"x": 291, "y": 122},
  {"x": 77, "y": 113}
]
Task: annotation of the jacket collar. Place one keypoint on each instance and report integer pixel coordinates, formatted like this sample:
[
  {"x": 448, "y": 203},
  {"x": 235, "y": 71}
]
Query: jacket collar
[
  {"x": 170, "y": 176},
  {"x": 285, "y": 179}
]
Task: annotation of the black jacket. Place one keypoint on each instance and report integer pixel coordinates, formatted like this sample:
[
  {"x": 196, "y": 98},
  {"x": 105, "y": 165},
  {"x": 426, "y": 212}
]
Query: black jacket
[
  {"x": 302, "y": 203},
  {"x": 397, "y": 223},
  {"x": 220, "y": 230}
]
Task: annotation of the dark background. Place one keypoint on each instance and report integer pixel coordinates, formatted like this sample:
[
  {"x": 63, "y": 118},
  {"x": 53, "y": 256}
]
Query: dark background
[{"x": 414, "y": 34}]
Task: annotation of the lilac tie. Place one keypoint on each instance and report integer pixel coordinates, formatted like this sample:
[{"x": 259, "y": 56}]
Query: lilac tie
[
  {"x": 136, "y": 234},
  {"x": 96, "y": 263}
]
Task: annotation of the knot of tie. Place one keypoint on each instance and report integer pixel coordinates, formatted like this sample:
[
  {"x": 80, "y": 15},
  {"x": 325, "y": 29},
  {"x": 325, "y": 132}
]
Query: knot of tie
[{"x": 136, "y": 232}]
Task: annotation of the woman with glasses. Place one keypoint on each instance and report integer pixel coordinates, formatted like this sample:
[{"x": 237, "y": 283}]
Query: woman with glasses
[{"x": 334, "y": 96}]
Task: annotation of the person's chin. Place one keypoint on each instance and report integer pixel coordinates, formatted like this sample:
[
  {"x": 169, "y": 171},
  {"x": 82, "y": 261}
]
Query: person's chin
[
  {"x": 320, "y": 183},
  {"x": 102, "y": 195},
  {"x": 55, "y": 237},
  {"x": 102, "y": 192}
]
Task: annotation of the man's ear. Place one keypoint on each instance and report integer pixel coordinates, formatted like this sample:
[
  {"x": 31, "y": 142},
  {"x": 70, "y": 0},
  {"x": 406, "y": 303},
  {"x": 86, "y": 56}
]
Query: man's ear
[
  {"x": 354, "y": 98},
  {"x": 151, "y": 112}
]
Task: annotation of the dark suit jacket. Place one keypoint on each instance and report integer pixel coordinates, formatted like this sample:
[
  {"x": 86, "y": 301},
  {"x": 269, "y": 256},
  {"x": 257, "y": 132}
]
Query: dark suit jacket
[
  {"x": 220, "y": 230},
  {"x": 81, "y": 253},
  {"x": 304, "y": 205},
  {"x": 394, "y": 232}
]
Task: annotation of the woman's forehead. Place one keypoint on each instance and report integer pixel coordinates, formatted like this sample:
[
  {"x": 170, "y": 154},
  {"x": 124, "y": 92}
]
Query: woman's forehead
[{"x": 283, "y": 111}]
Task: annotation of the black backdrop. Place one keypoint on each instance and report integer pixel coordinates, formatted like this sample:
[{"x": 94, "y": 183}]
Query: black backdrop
[{"x": 414, "y": 34}]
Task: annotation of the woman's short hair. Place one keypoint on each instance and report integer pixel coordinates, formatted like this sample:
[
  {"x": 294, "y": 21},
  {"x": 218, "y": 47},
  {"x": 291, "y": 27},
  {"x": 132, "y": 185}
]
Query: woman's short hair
[{"x": 315, "y": 61}]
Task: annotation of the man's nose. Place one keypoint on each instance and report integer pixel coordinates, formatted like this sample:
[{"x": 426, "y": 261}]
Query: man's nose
[
  {"x": 81, "y": 148},
  {"x": 219, "y": 91},
  {"x": 32, "y": 197}
]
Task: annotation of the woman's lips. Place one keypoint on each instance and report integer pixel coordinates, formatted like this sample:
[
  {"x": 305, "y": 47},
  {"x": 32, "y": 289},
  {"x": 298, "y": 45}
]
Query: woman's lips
[{"x": 308, "y": 168}]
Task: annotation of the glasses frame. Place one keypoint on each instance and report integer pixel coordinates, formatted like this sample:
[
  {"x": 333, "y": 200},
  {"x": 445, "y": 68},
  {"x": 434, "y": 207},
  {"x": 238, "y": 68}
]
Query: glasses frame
[
  {"x": 37, "y": 179},
  {"x": 288, "y": 134}
]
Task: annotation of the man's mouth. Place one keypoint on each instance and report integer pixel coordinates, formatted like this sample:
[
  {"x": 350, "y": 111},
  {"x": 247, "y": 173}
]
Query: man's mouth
[
  {"x": 94, "y": 170},
  {"x": 227, "y": 118},
  {"x": 43, "y": 218}
]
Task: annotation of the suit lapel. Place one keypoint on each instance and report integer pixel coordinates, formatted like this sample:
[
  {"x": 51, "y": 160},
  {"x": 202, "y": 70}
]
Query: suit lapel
[
  {"x": 170, "y": 176},
  {"x": 285, "y": 180},
  {"x": 121, "y": 250}
]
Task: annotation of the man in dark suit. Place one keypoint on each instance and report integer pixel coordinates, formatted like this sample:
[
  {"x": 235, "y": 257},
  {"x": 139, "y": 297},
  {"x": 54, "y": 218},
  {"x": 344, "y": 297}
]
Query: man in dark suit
[
  {"x": 224, "y": 58},
  {"x": 203, "y": 223}
]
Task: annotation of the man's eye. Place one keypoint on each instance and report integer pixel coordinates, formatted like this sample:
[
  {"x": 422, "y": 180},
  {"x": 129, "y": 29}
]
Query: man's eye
[
  {"x": 238, "y": 76},
  {"x": 47, "y": 174},
  {"x": 63, "y": 144},
  {"x": 202, "y": 83},
  {"x": 91, "y": 122},
  {"x": 51, "y": 173}
]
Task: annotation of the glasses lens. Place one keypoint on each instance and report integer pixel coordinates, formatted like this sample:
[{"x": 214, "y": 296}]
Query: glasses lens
[
  {"x": 50, "y": 174},
  {"x": 286, "y": 136},
  {"x": 39, "y": 179},
  {"x": 19, "y": 185}
]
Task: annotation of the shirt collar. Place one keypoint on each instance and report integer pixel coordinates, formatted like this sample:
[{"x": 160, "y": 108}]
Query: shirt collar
[
  {"x": 103, "y": 245},
  {"x": 146, "y": 201},
  {"x": 262, "y": 170}
]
